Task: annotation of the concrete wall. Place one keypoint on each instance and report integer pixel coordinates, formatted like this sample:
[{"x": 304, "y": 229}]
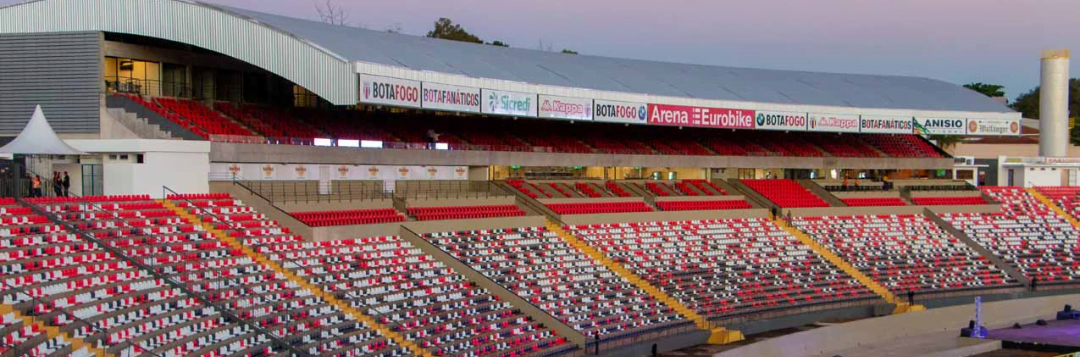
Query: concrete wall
[
  {"x": 589, "y": 200},
  {"x": 947, "y": 320},
  {"x": 701, "y": 198},
  {"x": 258, "y": 153},
  {"x": 322, "y": 234},
  {"x": 865, "y": 194},
  {"x": 662, "y": 216},
  {"x": 858, "y": 211},
  {"x": 422, "y": 227},
  {"x": 334, "y": 206},
  {"x": 946, "y": 193},
  {"x": 443, "y": 202}
]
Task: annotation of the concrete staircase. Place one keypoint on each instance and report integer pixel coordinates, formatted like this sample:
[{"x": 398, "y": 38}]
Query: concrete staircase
[
  {"x": 52, "y": 332},
  {"x": 824, "y": 252},
  {"x": 821, "y": 192},
  {"x": 304, "y": 284},
  {"x": 140, "y": 126},
  {"x": 717, "y": 335},
  {"x": 1060, "y": 212}
]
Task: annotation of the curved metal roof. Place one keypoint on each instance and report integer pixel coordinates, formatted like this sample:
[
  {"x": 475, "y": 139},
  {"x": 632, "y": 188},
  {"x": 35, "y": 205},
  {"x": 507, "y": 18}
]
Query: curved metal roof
[
  {"x": 634, "y": 76},
  {"x": 325, "y": 59}
]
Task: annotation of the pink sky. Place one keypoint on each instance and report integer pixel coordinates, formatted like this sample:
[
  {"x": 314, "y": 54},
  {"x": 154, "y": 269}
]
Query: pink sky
[{"x": 960, "y": 41}]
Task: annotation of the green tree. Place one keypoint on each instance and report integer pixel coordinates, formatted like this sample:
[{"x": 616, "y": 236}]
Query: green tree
[
  {"x": 1028, "y": 105},
  {"x": 989, "y": 90},
  {"x": 446, "y": 29},
  {"x": 498, "y": 43},
  {"x": 569, "y": 52}
]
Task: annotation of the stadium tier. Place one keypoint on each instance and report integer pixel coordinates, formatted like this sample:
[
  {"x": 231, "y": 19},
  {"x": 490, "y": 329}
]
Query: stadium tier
[
  {"x": 303, "y": 125},
  {"x": 539, "y": 266},
  {"x": 724, "y": 268},
  {"x": 395, "y": 283},
  {"x": 1027, "y": 234},
  {"x": 904, "y": 252},
  {"x": 873, "y": 201},
  {"x": 176, "y": 249}
]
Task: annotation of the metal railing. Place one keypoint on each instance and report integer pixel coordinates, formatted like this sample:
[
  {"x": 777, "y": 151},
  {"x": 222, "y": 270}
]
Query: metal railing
[
  {"x": 116, "y": 84},
  {"x": 315, "y": 191},
  {"x": 445, "y": 189}
]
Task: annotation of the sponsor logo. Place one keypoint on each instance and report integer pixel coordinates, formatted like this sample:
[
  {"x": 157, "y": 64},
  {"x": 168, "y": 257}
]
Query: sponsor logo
[
  {"x": 973, "y": 127},
  {"x": 301, "y": 171},
  {"x": 1014, "y": 127},
  {"x": 508, "y": 104},
  {"x": 343, "y": 171},
  {"x": 391, "y": 92},
  {"x": 764, "y": 119},
  {"x": 887, "y": 125},
  {"x": 373, "y": 171},
  {"x": 701, "y": 117},
  {"x": 432, "y": 172},
  {"x": 570, "y": 110},
  {"x": 939, "y": 126},
  {"x": 835, "y": 123},
  {"x": 632, "y": 112},
  {"x": 451, "y": 97},
  {"x": 235, "y": 170},
  {"x": 460, "y": 171}
]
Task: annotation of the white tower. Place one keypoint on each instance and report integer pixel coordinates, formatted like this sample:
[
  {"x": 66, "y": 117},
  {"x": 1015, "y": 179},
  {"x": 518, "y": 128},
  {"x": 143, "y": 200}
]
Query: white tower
[{"x": 1054, "y": 104}]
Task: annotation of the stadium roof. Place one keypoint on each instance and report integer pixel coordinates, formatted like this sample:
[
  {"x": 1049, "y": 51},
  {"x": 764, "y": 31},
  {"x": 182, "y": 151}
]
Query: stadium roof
[
  {"x": 325, "y": 59},
  {"x": 634, "y": 76}
]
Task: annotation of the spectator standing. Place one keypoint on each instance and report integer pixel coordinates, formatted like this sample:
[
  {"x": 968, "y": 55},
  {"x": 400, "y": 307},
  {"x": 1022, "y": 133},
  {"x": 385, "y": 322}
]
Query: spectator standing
[
  {"x": 433, "y": 138},
  {"x": 67, "y": 184},
  {"x": 35, "y": 186},
  {"x": 57, "y": 185},
  {"x": 843, "y": 186}
]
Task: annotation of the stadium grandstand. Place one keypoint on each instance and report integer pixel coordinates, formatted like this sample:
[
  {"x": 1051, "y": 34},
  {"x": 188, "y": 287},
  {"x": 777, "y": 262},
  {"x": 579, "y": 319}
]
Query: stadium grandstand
[{"x": 188, "y": 179}]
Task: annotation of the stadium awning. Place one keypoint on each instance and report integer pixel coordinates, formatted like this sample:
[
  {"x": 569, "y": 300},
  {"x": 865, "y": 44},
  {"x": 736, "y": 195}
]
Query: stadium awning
[{"x": 38, "y": 138}]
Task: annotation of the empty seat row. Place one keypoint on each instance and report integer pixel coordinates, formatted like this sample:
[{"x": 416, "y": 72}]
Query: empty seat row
[
  {"x": 873, "y": 201},
  {"x": 601, "y": 207},
  {"x": 465, "y": 212},
  {"x": 349, "y": 217},
  {"x": 944, "y": 201},
  {"x": 702, "y": 205}
]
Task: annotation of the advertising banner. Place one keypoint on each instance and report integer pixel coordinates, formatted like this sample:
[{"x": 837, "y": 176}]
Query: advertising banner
[
  {"x": 301, "y": 172},
  {"x": 836, "y": 123},
  {"x": 886, "y": 125},
  {"x": 940, "y": 126},
  {"x": 993, "y": 127},
  {"x": 565, "y": 107},
  {"x": 681, "y": 115},
  {"x": 508, "y": 103},
  {"x": 620, "y": 112},
  {"x": 788, "y": 121},
  {"x": 389, "y": 91},
  {"x": 450, "y": 97}
]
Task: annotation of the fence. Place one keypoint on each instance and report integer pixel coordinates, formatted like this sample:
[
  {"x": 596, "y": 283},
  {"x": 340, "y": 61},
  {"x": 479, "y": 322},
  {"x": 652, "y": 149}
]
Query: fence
[
  {"x": 447, "y": 190},
  {"x": 316, "y": 191}
]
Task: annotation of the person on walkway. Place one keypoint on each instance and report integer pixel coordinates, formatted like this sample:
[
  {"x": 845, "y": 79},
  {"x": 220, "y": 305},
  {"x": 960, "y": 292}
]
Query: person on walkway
[
  {"x": 844, "y": 186},
  {"x": 67, "y": 184},
  {"x": 57, "y": 185},
  {"x": 35, "y": 186}
]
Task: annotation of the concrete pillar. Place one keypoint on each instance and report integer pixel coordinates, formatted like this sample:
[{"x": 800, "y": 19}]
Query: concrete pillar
[{"x": 1054, "y": 104}]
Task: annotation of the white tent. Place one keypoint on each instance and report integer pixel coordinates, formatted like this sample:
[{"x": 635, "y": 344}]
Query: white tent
[{"x": 38, "y": 138}]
